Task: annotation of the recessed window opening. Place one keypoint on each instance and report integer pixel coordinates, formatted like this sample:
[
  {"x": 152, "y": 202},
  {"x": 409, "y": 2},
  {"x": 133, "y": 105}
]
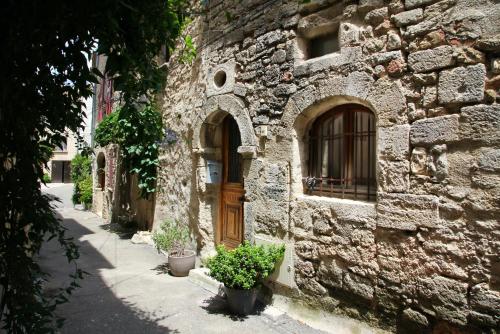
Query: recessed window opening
[
  {"x": 101, "y": 175},
  {"x": 323, "y": 45},
  {"x": 220, "y": 79},
  {"x": 342, "y": 154}
]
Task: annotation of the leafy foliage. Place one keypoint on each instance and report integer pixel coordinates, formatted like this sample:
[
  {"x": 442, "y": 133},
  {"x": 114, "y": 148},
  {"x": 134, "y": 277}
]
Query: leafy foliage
[
  {"x": 85, "y": 191},
  {"x": 107, "y": 131},
  {"x": 246, "y": 266},
  {"x": 81, "y": 173},
  {"x": 173, "y": 237},
  {"x": 46, "y": 178},
  {"x": 138, "y": 132},
  {"x": 48, "y": 79}
]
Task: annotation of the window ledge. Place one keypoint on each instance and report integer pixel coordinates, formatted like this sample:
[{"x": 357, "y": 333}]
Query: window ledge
[
  {"x": 345, "y": 56},
  {"x": 336, "y": 200},
  {"x": 345, "y": 209}
]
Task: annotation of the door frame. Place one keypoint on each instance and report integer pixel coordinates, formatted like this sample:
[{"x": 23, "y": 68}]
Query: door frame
[{"x": 224, "y": 185}]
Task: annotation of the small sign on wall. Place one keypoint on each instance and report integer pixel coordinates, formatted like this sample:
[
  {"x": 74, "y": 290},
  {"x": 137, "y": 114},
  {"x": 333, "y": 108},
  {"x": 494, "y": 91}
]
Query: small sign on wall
[{"x": 214, "y": 172}]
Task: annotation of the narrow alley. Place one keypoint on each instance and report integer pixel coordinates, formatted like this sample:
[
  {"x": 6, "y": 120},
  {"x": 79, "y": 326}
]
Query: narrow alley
[{"x": 128, "y": 291}]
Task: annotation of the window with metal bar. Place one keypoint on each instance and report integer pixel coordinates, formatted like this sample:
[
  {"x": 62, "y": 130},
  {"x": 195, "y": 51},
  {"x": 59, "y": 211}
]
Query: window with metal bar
[{"x": 342, "y": 154}]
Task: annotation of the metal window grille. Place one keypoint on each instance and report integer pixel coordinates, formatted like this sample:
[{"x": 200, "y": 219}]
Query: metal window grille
[{"x": 342, "y": 154}]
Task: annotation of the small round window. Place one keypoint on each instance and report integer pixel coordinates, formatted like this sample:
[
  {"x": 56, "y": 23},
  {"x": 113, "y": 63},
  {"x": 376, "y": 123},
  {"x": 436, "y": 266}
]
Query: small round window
[{"x": 220, "y": 79}]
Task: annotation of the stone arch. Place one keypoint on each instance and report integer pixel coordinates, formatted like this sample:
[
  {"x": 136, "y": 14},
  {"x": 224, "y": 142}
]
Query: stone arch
[
  {"x": 383, "y": 97},
  {"x": 207, "y": 147},
  {"x": 214, "y": 111}
]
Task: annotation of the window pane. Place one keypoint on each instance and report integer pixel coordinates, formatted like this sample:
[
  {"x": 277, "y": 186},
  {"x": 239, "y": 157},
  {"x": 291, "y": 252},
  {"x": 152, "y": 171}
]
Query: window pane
[{"x": 342, "y": 153}]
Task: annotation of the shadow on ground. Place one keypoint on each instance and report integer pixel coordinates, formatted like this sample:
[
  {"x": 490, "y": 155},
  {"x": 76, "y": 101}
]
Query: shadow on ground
[
  {"x": 161, "y": 269},
  {"x": 124, "y": 232},
  {"x": 93, "y": 308},
  {"x": 218, "y": 305}
]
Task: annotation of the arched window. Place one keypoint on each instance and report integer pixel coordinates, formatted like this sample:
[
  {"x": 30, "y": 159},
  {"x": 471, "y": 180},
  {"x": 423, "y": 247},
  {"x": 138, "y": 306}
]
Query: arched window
[{"x": 342, "y": 154}]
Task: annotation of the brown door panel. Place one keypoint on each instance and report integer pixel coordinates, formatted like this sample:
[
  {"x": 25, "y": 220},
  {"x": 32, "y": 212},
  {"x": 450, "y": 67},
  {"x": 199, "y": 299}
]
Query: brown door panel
[{"x": 230, "y": 228}]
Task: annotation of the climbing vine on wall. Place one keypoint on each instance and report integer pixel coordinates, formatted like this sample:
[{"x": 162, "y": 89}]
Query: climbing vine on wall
[{"x": 137, "y": 129}]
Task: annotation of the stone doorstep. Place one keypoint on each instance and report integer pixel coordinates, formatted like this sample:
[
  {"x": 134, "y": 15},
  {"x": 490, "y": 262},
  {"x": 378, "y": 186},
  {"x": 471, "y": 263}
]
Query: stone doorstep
[{"x": 314, "y": 318}]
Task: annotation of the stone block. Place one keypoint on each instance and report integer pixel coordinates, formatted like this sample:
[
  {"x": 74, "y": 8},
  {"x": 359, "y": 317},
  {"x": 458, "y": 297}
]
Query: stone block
[
  {"x": 388, "y": 102},
  {"x": 306, "y": 249},
  {"x": 418, "y": 162},
  {"x": 462, "y": 84},
  {"x": 409, "y": 17},
  {"x": 445, "y": 296},
  {"x": 358, "y": 84},
  {"x": 305, "y": 98},
  {"x": 394, "y": 176},
  {"x": 304, "y": 268},
  {"x": 311, "y": 286},
  {"x": 489, "y": 159},
  {"x": 438, "y": 8},
  {"x": 393, "y": 41},
  {"x": 377, "y": 16},
  {"x": 430, "y": 97},
  {"x": 394, "y": 142},
  {"x": 432, "y": 59},
  {"x": 481, "y": 123},
  {"x": 436, "y": 130},
  {"x": 385, "y": 57},
  {"x": 368, "y": 5},
  {"x": 221, "y": 79},
  {"x": 333, "y": 86},
  {"x": 359, "y": 286},
  {"x": 417, "y": 3},
  {"x": 330, "y": 274},
  {"x": 279, "y": 56},
  {"x": 407, "y": 211},
  {"x": 484, "y": 300},
  {"x": 490, "y": 43},
  {"x": 285, "y": 89},
  {"x": 344, "y": 210}
]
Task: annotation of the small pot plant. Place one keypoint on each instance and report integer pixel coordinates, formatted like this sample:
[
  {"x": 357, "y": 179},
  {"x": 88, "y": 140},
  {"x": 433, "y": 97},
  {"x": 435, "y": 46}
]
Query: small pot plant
[
  {"x": 173, "y": 238},
  {"x": 242, "y": 271}
]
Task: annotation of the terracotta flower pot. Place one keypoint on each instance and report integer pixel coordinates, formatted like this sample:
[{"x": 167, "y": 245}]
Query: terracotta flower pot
[
  {"x": 241, "y": 302},
  {"x": 181, "y": 265}
]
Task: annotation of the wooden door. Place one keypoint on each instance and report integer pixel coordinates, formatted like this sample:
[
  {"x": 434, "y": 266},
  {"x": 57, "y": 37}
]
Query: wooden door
[
  {"x": 57, "y": 171},
  {"x": 232, "y": 191}
]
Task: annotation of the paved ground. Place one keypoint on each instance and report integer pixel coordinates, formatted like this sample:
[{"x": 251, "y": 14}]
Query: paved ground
[
  {"x": 128, "y": 291},
  {"x": 63, "y": 191}
]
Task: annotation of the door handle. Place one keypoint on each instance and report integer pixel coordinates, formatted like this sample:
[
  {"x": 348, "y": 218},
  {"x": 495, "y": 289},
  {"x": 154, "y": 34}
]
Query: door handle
[{"x": 242, "y": 198}]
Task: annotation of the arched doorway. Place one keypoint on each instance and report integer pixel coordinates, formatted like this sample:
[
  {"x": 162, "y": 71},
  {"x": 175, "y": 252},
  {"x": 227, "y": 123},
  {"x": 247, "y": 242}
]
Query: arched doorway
[
  {"x": 230, "y": 225},
  {"x": 101, "y": 173}
]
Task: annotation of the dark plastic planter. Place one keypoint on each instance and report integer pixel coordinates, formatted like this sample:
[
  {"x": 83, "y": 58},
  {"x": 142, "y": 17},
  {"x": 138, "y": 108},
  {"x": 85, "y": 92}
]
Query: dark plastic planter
[
  {"x": 241, "y": 302},
  {"x": 181, "y": 265}
]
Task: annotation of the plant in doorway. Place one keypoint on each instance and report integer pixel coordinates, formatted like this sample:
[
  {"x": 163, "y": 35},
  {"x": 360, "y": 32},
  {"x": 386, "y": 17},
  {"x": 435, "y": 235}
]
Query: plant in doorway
[
  {"x": 173, "y": 238},
  {"x": 242, "y": 271}
]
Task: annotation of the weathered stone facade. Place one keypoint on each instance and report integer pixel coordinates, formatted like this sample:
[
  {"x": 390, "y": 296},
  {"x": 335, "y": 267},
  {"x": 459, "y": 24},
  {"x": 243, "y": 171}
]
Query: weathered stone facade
[{"x": 425, "y": 255}]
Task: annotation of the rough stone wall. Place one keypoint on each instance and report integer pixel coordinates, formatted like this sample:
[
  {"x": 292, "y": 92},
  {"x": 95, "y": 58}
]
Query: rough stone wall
[{"x": 425, "y": 254}]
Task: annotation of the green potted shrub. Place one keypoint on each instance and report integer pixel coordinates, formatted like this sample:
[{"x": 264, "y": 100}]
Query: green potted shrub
[
  {"x": 173, "y": 238},
  {"x": 242, "y": 270}
]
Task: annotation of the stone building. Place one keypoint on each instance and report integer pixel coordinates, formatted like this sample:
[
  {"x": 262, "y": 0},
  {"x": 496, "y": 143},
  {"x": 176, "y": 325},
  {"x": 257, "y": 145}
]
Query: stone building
[
  {"x": 116, "y": 195},
  {"x": 365, "y": 135},
  {"x": 59, "y": 165}
]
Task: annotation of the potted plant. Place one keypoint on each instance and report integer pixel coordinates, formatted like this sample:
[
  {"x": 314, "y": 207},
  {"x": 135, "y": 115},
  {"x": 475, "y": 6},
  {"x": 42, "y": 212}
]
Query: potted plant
[
  {"x": 242, "y": 270},
  {"x": 173, "y": 238}
]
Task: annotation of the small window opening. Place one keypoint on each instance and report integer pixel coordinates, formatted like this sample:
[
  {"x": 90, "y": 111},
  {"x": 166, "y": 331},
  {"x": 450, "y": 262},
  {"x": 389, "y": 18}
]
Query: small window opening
[
  {"x": 323, "y": 45},
  {"x": 220, "y": 79}
]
